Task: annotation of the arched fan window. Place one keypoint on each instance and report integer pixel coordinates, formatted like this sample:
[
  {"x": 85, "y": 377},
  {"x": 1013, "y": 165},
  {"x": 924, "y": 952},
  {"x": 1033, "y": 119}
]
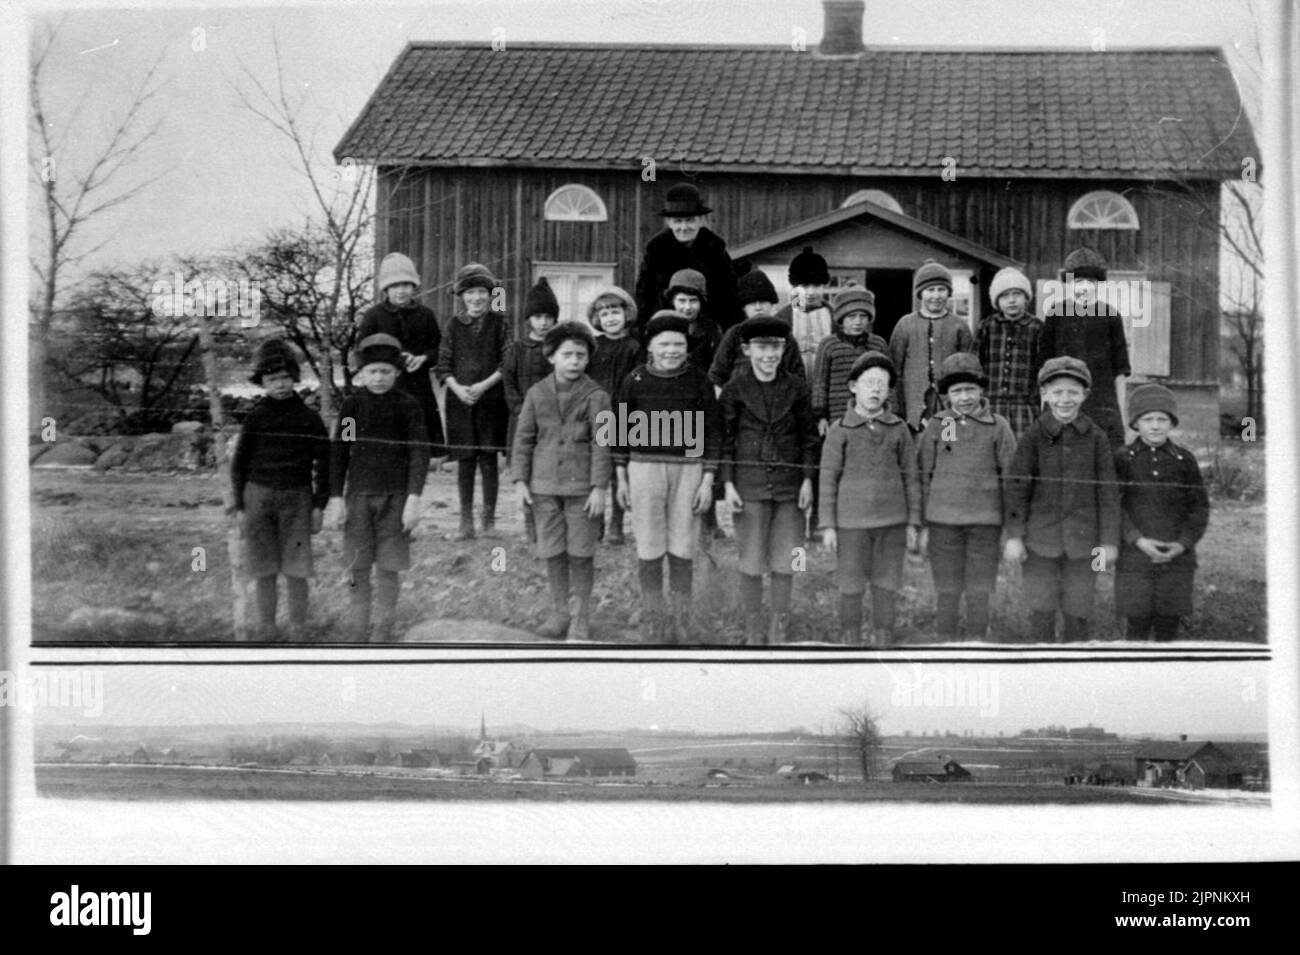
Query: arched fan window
[
  {"x": 1103, "y": 210},
  {"x": 878, "y": 196},
  {"x": 574, "y": 203}
]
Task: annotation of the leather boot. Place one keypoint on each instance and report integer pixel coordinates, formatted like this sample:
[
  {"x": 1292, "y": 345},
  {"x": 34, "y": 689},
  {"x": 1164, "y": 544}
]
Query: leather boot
[
  {"x": 679, "y": 619},
  {"x": 1076, "y": 629},
  {"x": 1042, "y": 626},
  {"x": 851, "y": 619},
  {"x": 755, "y": 628},
  {"x": 652, "y": 623},
  {"x": 778, "y": 631}
]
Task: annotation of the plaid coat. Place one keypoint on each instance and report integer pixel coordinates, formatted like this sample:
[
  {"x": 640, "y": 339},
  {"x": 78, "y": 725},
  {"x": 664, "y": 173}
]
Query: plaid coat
[{"x": 1010, "y": 355}]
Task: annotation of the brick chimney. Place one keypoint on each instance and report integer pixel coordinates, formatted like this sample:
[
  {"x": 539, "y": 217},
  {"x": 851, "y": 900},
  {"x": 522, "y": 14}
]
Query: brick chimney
[{"x": 842, "y": 27}]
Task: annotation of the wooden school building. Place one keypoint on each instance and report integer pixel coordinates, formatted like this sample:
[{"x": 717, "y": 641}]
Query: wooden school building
[{"x": 548, "y": 159}]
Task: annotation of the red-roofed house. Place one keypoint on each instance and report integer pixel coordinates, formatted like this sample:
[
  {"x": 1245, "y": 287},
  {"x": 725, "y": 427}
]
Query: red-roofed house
[{"x": 541, "y": 159}]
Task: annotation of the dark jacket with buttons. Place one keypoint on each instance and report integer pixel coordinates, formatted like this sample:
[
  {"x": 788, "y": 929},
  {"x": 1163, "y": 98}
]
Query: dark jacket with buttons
[
  {"x": 770, "y": 442},
  {"x": 556, "y": 451},
  {"x": 869, "y": 476},
  {"x": 1062, "y": 497},
  {"x": 1162, "y": 496}
]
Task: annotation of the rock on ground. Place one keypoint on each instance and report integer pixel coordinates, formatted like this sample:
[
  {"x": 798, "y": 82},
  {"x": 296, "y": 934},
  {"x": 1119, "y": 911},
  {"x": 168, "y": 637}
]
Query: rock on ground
[{"x": 67, "y": 454}]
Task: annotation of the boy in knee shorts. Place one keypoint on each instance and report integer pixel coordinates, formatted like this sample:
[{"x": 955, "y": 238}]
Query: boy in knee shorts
[
  {"x": 279, "y": 472},
  {"x": 1062, "y": 505},
  {"x": 870, "y": 508},
  {"x": 769, "y": 456},
  {"x": 378, "y": 462},
  {"x": 562, "y": 471},
  {"x": 666, "y": 457}
]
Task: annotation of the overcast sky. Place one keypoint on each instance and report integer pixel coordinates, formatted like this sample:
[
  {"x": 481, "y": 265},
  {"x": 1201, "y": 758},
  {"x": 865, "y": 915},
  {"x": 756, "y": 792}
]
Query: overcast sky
[
  {"x": 220, "y": 178},
  {"x": 1201, "y": 699}
]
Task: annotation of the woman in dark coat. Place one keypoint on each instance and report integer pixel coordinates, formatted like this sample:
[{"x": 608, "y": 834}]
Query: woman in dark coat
[
  {"x": 469, "y": 364},
  {"x": 686, "y": 243},
  {"x": 416, "y": 327}
]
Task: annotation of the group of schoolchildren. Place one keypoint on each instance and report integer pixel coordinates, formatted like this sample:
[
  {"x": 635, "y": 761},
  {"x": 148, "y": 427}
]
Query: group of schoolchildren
[{"x": 963, "y": 447}]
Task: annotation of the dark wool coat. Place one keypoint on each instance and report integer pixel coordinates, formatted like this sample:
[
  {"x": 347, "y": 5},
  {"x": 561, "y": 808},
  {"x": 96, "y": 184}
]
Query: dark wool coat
[
  {"x": 686, "y": 393},
  {"x": 730, "y": 358},
  {"x": 524, "y": 366},
  {"x": 416, "y": 327},
  {"x": 869, "y": 476},
  {"x": 470, "y": 352},
  {"x": 664, "y": 255},
  {"x": 830, "y": 380},
  {"x": 556, "y": 452},
  {"x": 769, "y": 438},
  {"x": 282, "y": 444},
  {"x": 1097, "y": 341},
  {"x": 1062, "y": 497},
  {"x": 612, "y": 360},
  {"x": 1162, "y": 496}
]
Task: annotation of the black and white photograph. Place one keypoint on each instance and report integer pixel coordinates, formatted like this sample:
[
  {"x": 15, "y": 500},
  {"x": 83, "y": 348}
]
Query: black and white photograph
[{"x": 650, "y": 431}]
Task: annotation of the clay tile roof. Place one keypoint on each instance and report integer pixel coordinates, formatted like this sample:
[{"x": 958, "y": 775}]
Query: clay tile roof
[{"x": 1125, "y": 113}]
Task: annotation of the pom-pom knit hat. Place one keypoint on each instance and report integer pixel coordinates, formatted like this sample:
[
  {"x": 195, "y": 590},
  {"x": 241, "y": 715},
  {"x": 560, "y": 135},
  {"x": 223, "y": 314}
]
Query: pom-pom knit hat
[
  {"x": 809, "y": 268},
  {"x": 540, "y": 300}
]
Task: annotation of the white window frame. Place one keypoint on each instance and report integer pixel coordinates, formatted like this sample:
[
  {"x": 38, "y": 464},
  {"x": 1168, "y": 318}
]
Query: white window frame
[
  {"x": 589, "y": 195},
  {"x": 564, "y": 278},
  {"x": 1077, "y": 211},
  {"x": 878, "y": 196}
]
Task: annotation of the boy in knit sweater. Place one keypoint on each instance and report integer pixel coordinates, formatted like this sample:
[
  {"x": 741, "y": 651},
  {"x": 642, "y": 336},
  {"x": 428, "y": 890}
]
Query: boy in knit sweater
[
  {"x": 870, "y": 500},
  {"x": 669, "y": 433},
  {"x": 280, "y": 477},
  {"x": 769, "y": 459},
  {"x": 612, "y": 315},
  {"x": 1062, "y": 505},
  {"x": 378, "y": 463},
  {"x": 922, "y": 339},
  {"x": 854, "y": 309},
  {"x": 1165, "y": 512},
  {"x": 1007, "y": 345},
  {"x": 562, "y": 474},
  {"x": 525, "y": 364},
  {"x": 963, "y": 455}
]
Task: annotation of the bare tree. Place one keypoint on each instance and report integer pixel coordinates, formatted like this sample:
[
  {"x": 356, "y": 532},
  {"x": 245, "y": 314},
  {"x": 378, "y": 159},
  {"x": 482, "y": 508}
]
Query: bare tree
[
  {"x": 76, "y": 187},
  {"x": 343, "y": 196},
  {"x": 861, "y": 728}
]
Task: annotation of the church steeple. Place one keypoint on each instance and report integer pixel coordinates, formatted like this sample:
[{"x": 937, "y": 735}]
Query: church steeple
[{"x": 482, "y": 727}]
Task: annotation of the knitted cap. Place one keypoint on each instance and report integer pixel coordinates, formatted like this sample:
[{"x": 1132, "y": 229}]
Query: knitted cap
[
  {"x": 474, "y": 275},
  {"x": 274, "y": 355},
  {"x": 1067, "y": 366},
  {"x": 809, "y": 268},
  {"x": 666, "y": 320},
  {"x": 612, "y": 291},
  {"x": 379, "y": 348},
  {"x": 540, "y": 300},
  {"x": 873, "y": 359},
  {"x": 1084, "y": 263},
  {"x": 396, "y": 269},
  {"x": 764, "y": 326},
  {"x": 567, "y": 332},
  {"x": 689, "y": 281},
  {"x": 1145, "y": 399},
  {"x": 930, "y": 273},
  {"x": 754, "y": 287},
  {"x": 1007, "y": 279},
  {"x": 959, "y": 367},
  {"x": 853, "y": 298},
  {"x": 683, "y": 200}
]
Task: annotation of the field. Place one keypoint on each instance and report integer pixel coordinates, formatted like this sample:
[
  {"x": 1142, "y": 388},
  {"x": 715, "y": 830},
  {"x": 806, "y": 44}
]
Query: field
[
  {"x": 178, "y": 783},
  {"x": 155, "y": 544}
]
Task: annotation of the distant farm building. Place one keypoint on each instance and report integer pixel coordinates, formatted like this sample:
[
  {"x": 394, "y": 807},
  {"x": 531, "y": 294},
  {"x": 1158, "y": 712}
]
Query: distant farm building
[
  {"x": 932, "y": 770},
  {"x": 1194, "y": 764},
  {"x": 420, "y": 759},
  {"x": 562, "y": 763}
]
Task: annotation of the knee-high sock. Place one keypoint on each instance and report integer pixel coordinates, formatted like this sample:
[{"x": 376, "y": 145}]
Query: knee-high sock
[
  {"x": 266, "y": 600},
  {"x": 851, "y": 613},
  {"x": 465, "y": 485},
  {"x": 557, "y": 576},
  {"x": 751, "y": 593},
  {"x": 297, "y": 599},
  {"x": 387, "y": 586},
  {"x": 977, "y": 613},
  {"x": 651, "y": 575},
  {"x": 945, "y": 619},
  {"x": 679, "y": 574},
  {"x": 582, "y": 576},
  {"x": 359, "y": 602},
  {"x": 782, "y": 592},
  {"x": 487, "y": 465},
  {"x": 882, "y": 608}
]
